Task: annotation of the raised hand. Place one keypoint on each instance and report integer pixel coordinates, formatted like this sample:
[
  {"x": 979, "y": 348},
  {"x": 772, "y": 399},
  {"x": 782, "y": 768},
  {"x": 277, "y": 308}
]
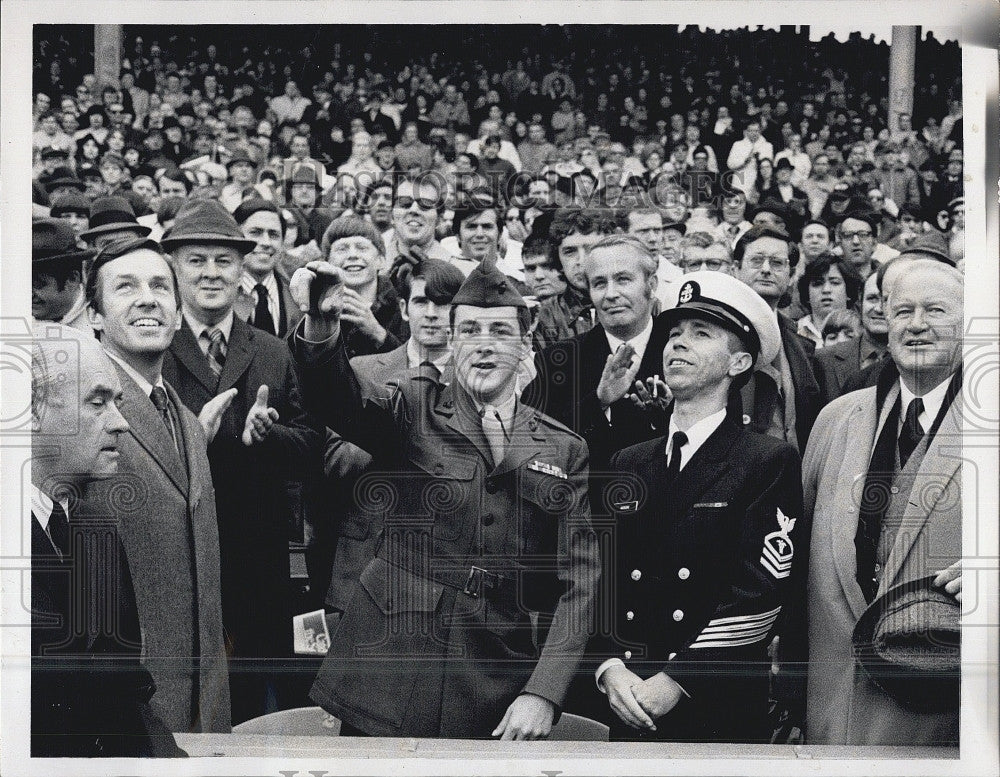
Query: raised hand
[
  {"x": 618, "y": 375},
  {"x": 212, "y": 411},
  {"x": 360, "y": 315},
  {"x": 318, "y": 290},
  {"x": 260, "y": 419}
]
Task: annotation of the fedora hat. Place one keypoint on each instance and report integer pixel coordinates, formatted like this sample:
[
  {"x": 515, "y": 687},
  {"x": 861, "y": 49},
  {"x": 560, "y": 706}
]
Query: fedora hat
[
  {"x": 240, "y": 155},
  {"x": 112, "y": 214},
  {"x": 70, "y": 202},
  {"x": 207, "y": 222},
  {"x": 908, "y": 642},
  {"x": 929, "y": 245},
  {"x": 63, "y": 176},
  {"x": 53, "y": 241}
]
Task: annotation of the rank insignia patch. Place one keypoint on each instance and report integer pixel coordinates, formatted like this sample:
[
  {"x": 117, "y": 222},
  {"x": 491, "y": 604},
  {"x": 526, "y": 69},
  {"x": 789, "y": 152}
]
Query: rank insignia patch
[{"x": 776, "y": 556}]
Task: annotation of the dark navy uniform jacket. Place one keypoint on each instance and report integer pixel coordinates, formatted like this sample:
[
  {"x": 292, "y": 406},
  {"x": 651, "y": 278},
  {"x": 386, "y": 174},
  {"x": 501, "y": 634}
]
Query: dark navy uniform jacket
[{"x": 701, "y": 574}]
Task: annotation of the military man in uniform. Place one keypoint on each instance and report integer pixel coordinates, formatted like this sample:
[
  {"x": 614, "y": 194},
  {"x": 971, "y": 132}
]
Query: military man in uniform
[
  {"x": 487, "y": 528},
  {"x": 708, "y": 540}
]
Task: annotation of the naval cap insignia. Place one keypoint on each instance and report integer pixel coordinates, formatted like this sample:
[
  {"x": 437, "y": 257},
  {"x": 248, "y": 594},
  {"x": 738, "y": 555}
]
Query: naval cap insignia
[{"x": 689, "y": 291}]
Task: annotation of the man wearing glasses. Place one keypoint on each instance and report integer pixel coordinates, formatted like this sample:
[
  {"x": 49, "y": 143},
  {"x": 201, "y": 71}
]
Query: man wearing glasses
[
  {"x": 783, "y": 398},
  {"x": 415, "y": 209},
  {"x": 857, "y": 235},
  {"x": 703, "y": 252}
]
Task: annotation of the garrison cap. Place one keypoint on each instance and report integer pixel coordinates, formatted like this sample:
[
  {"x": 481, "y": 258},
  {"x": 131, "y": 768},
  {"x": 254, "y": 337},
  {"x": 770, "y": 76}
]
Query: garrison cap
[
  {"x": 730, "y": 303},
  {"x": 487, "y": 287},
  {"x": 908, "y": 643}
]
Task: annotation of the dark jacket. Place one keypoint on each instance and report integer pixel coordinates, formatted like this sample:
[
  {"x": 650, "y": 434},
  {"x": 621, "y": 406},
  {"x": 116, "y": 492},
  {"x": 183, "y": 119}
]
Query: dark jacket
[
  {"x": 89, "y": 692},
  {"x": 701, "y": 573},
  {"x": 566, "y": 389},
  {"x": 251, "y": 496}
]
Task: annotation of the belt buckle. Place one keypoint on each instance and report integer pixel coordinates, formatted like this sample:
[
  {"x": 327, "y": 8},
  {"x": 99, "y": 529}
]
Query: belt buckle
[{"x": 474, "y": 583}]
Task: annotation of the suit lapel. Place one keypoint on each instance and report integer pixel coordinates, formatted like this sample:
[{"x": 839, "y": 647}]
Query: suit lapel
[
  {"x": 189, "y": 438},
  {"x": 186, "y": 350},
  {"x": 862, "y": 425},
  {"x": 921, "y": 487},
  {"x": 239, "y": 354},
  {"x": 148, "y": 430}
]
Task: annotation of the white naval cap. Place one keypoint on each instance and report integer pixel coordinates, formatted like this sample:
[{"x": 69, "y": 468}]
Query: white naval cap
[{"x": 724, "y": 300}]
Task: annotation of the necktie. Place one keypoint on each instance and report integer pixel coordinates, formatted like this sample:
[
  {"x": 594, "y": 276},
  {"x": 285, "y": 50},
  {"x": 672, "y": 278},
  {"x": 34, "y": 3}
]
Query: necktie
[
  {"x": 678, "y": 441},
  {"x": 874, "y": 502},
  {"x": 58, "y": 529},
  {"x": 912, "y": 433},
  {"x": 216, "y": 351},
  {"x": 262, "y": 318},
  {"x": 496, "y": 435},
  {"x": 162, "y": 404}
]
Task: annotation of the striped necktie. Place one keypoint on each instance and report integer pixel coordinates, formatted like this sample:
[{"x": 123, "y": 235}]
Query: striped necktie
[{"x": 216, "y": 350}]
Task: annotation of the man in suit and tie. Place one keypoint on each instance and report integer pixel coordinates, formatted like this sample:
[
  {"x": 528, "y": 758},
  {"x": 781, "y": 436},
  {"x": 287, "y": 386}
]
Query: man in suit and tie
[
  {"x": 708, "y": 543},
  {"x": 883, "y": 485},
  {"x": 169, "y": 530},
  {"x": 783, "y": 398},
  {"x": 583, "y": 382},
  {"x": 89, "y": 691},
  {"x": 264, "y": 439},
  {"x": 263, "y": 299}
]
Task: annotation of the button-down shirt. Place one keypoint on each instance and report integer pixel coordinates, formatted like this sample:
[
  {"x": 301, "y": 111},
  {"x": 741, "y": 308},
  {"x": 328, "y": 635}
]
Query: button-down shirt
[
  {"x": 225, "y": 326},
  {"x": 248, "y": 284}
]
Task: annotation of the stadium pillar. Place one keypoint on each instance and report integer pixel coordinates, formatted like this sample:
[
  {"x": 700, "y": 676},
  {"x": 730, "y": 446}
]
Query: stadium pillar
[
  {"x": 902, "y": 56},
  {"x": 107, "y": 53}
]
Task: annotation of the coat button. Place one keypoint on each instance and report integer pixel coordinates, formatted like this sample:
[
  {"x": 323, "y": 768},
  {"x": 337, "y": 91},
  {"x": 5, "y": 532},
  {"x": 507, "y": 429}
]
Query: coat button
[
  {"x": 894, "y": 489},
  {"x": 629, "y": 615},
  {"x": 746, "y": 419},
  {"x": 678, "y": 615},
  {"x": 488, "y": 519},
  {"x": 683, "y": 573},
  {"x": 671, "y": 657},
  {"x": 636, "y": 575},
  {"x": 491, "y": 486},
  {"x": 439, "y": 469},
  {"x": 628, "y": 654}
]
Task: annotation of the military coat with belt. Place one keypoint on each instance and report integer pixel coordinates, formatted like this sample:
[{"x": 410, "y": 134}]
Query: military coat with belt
[
  {"x": 701, "y": 571},
  {"x": 164, "y": 502},
  {"x": 437, "y": 639}
]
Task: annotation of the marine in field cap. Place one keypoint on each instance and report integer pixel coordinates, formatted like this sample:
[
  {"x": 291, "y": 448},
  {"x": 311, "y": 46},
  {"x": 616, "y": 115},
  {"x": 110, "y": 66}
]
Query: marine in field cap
[
  {"x": 112, "y": 218},
  {"x": 56, "y": 274}
]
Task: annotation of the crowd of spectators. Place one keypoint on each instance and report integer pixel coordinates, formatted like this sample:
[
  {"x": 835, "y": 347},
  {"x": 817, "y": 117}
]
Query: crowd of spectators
[{"x": 524, "y": 147}]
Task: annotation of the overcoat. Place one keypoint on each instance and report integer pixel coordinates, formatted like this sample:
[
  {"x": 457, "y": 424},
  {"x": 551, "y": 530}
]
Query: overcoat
[
  {"x": 438, "y": 638},
  {"x": 165, "y": 506},
  {"x": 702, "y": 571},
  {"x": 251, "y": 482},
  {"x": 843, "y": 705}
]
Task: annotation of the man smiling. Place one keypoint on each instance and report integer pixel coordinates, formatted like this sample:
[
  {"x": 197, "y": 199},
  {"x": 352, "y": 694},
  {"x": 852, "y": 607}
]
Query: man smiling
[
  {"x": 416, "y": 205},
  {"x": 482, "y": 469}
]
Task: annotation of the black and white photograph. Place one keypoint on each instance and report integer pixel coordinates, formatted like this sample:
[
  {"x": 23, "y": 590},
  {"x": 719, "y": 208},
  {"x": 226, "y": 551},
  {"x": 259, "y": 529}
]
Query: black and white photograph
[{"x": 499, "y": 388}]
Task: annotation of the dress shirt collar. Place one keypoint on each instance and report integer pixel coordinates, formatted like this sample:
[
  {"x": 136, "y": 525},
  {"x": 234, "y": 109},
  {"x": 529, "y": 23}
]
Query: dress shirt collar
[
  {"x": 42, "y": 504},
  {"x": 414, "y": 359},
  {"x": 225, "y": 326},
  {"x": 145, "y": 386},
  {"x": 697, "y": 434},
  {"x": 506, "y": 409},
  {"x": 248, "y": 282},
  {"x": 638, "y": 343},
  {"x": 933, "y": 400}
]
